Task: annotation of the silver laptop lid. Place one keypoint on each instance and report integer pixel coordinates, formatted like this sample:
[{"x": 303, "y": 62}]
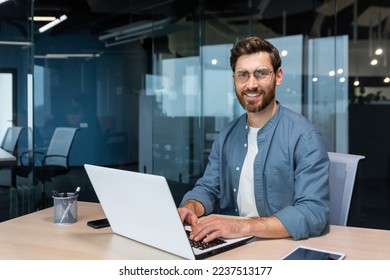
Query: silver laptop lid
[{"x": 140, "y": 207}]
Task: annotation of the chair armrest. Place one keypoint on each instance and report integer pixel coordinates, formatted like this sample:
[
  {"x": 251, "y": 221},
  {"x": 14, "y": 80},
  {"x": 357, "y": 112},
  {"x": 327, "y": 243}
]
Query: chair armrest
[
  {"x": 27, "y": 155},
  {"x": 51, "y": 156}
]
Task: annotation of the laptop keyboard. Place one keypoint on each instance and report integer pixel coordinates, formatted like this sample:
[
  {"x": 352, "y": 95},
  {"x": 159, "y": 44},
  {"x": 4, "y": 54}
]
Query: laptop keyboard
[{"x": 204, "y": 245}]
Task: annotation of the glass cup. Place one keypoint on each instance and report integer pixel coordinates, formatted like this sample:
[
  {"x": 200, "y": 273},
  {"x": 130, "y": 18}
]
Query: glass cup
[{"x": 65, "y": 208}]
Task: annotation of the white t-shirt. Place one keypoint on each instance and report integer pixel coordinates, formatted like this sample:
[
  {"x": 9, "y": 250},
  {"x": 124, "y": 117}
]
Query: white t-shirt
[{"x": 246, "y": 196}]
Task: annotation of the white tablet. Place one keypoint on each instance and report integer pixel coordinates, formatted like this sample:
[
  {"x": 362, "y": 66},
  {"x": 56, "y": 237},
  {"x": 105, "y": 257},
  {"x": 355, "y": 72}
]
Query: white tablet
[{"x": 309, "y": 253}]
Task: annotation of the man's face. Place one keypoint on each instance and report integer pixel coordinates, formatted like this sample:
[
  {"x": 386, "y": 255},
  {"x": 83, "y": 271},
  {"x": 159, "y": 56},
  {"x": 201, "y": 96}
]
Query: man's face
[{"x": 258, "y": 91}]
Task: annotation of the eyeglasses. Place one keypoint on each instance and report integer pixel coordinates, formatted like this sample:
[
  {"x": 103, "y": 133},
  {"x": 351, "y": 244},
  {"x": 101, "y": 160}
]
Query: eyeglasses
[{"x": 261, "y": 74}]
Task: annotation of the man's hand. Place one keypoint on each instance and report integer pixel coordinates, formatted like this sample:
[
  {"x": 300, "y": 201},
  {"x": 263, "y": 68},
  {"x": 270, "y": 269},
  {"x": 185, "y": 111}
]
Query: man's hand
[
  {"x": 187, "y": 216},
  {"x": 211, "y": 227},
  {"x": 214, "y": 226},
  {"x": 190, "y": 211}
]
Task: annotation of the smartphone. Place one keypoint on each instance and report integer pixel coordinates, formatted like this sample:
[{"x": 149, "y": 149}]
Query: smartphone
[
  {"x": 308, "y": 253},
  {"x": 100, "y": 223}
]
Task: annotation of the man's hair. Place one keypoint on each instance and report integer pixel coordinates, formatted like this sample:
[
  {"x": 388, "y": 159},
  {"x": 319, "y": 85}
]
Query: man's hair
[{"x": 251, "y": 45}]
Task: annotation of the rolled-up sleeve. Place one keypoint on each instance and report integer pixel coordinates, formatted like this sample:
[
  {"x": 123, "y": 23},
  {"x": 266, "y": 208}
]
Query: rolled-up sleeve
[{"x": 309, "y": 214}]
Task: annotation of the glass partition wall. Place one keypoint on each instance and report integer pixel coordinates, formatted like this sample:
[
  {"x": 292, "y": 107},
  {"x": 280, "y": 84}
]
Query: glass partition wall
[
  {"x": 16, "y": 80},
  {"x": 148, "y": 83}
]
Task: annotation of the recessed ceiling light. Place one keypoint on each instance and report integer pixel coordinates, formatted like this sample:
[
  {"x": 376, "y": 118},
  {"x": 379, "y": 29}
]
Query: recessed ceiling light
[
  {"x": 43, "y": 18},
  {"x": 374, "y": 62},
  {"x": 378, "y": 51}
]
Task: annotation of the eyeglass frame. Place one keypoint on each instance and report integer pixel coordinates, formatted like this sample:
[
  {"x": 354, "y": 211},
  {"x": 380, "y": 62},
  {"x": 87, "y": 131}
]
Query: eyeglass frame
[{"x": 259, "y": 79}]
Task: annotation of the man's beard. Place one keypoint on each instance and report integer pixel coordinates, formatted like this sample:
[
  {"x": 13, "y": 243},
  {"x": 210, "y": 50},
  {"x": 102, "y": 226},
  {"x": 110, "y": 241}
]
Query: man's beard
[{"x": 254, "y": 107}]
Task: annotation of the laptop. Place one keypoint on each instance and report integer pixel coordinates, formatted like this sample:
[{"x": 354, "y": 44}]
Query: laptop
[{"x": 137, "y": 204}]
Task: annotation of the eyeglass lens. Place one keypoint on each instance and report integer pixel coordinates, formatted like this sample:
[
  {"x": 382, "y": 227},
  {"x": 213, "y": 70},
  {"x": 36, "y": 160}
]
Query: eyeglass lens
[{"x": 261, "y": 73}]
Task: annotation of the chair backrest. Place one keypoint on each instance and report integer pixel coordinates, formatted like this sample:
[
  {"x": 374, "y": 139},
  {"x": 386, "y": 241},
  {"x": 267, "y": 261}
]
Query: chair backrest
[
  {"x": 342, "y": 173},
  {"x": 11, "y": 138},
  {"x": 59, "y": 147}
]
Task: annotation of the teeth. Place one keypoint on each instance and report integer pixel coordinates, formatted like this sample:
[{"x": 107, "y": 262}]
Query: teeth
[{"x": 252, "y": 94}]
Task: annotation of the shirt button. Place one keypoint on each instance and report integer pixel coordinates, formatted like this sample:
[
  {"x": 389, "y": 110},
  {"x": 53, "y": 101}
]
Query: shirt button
[
  {"x": 237, "y": 168},
  {"x": 236, "y": 210},
  {"x": 245, "y": 145},
  {"x": 234, "y": 189}
]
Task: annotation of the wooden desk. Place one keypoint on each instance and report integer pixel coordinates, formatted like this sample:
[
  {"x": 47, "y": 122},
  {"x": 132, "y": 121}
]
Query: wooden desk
[{"x": 35, "y": 236}]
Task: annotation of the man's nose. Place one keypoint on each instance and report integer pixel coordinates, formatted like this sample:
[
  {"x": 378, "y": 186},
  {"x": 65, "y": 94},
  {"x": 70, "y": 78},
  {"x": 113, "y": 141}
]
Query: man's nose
[{"x": 252, "y": 81}]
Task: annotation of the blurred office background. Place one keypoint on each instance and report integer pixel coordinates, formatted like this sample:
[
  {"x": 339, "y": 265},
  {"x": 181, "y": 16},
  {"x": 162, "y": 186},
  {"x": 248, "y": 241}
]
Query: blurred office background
[{"x": 148, "y": 85}]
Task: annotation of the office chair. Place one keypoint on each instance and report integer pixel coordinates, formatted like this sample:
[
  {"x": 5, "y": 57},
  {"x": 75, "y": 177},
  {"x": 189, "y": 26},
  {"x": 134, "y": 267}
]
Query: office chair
[
  {"x": 53, "y": 162},
  {"x": 56, "y": 160},
  {"x": 342, "y": 173},
  {"x": 11, "y": 138},
  {"x": 10, "y": 144}
]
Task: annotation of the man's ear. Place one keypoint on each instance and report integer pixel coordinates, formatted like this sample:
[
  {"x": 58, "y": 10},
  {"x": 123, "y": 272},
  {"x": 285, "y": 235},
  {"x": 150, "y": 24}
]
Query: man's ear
[{"x": 279, "y": 76}]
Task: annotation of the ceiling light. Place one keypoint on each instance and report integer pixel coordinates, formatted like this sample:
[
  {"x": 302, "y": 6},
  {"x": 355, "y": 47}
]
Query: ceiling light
[
  {"x": 67, "y": 55},
  {"x": 2, "y": 1},
  {"x": 387, "y": 80},
  {"x": 15, "y": 43},
  {"x": 332, "y": 73},
  {"x": 43, "y": 18},
  {"x": 136, "y": 31},
  {"x": 52, "y": 24},
  {"x": 356, "y": 83},
  {"x": 133, "y": 28},
  {"x": 378, "y": 51},
  {"x": 374, "y": 62}
]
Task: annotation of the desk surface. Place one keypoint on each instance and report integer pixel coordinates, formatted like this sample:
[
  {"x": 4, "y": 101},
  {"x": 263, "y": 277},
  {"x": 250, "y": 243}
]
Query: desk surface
[
  {"x": 6, "y": 158},
  {"x": 35, "y": 236}
]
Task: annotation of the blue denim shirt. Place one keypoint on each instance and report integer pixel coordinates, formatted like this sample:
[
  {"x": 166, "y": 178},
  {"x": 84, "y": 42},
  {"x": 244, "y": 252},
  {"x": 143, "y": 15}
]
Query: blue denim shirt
[{"x": 291, "y": 173}]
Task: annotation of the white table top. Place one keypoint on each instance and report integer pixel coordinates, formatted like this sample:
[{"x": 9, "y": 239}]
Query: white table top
[{"x": 6, "y": 157}]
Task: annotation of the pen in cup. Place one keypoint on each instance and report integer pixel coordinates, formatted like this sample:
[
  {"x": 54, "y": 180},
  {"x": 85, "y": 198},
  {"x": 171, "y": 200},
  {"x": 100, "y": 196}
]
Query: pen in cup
[
  {"x": 67, "y": 210},
  {"x": 64, "y": 204},
  {"x": 56, "y": 194}
]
